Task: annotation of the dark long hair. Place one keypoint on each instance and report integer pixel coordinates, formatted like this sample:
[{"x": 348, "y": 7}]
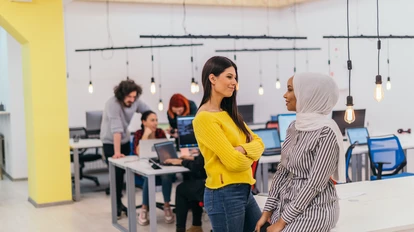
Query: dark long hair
[
  {"x": 216, "y": 65},
  {"x": 144, "y": 117},
  {"x": 125, "y": 88}
]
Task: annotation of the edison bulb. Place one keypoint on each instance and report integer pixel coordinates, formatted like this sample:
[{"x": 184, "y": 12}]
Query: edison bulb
[
  {"x": 197, "y": 87},
  {"x": 153, "y": 88},
  {"x": 388, "y": 84},
  {"x": 261, "y": 90},
  {"x": 277, "y": 84},
  {"x": 237, "y": 86},
  {"x": 379, "y": 92},
  {"x": 349, "y": 116},
  {"x": 160, "y": 106},
  {"x": 193, "y": 87},
  {"x": 90, "y": 88}
]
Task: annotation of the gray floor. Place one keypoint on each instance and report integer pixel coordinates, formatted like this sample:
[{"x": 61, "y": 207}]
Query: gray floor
[{"x": 92, "y": 213}]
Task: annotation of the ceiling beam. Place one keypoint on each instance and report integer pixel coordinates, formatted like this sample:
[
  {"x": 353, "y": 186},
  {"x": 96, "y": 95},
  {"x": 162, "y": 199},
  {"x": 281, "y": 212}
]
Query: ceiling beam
[{"x": 244, "y": 3}]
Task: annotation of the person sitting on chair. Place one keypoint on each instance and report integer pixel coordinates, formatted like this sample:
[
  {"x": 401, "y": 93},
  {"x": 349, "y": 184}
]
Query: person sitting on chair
[
  {"x": 190, "y": 192},
  {"x": 149, "y": 130}
]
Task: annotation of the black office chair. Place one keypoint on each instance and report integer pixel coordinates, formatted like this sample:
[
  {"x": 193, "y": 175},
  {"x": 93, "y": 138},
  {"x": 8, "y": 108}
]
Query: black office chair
[{"x": 81, "y": 133}]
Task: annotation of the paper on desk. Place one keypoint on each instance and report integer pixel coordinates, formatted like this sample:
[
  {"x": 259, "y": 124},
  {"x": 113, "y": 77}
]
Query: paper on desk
[{"x": 344, "y": 196}]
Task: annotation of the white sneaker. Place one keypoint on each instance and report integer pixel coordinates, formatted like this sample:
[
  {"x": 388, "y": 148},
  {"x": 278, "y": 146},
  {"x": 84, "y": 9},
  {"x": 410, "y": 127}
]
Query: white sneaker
[
  {"x": 168, "y": 215},
  {"x": 143, "y": 218}
]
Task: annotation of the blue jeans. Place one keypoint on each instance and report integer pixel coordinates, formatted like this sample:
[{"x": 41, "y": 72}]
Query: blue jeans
[
  {"x": 232, "y": 208},
  {"x": 166, "y": 188}
]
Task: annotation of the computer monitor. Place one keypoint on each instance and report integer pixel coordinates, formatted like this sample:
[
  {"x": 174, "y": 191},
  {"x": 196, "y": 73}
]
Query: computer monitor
[
  {"x": 246, "y": 112},
  {"x": 358, "y": 135},
  {"x": 338, "y": 117},
  {"x": 273, "y": 118},
  {"x": 186, "y": 137},
  {"x": 270, "y": 137},
  {"x": 284, "y": 121},
  {"x": 93, "y": 122}
]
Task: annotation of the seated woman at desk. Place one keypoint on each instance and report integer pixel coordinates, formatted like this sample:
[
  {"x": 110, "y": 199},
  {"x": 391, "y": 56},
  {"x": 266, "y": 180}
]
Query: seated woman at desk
[
  {"x": 302, "y": 196},
  {"x": 150, "y": 130}
]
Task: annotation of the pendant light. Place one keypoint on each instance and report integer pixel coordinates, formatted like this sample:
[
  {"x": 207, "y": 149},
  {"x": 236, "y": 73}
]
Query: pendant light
[
  {"x": 127, "y": 64},
  {"x": 153, "y": 87},
  {"x": 379, "y": 92},
  {"x": 90, "y": 87},
  {"x": 193, "y": 82},
  {"x": 160, "y": 103},
  {"x": 329, "y": 59},
  {"x": 261, "y": 90},
  {"x": 388, "y": 64},
  {"x": 277, "y": 72},
  {"x": 349, "y": 116}
]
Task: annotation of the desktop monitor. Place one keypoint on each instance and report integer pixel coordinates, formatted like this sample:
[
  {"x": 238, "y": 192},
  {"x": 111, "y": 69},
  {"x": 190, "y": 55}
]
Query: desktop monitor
[
  {"x": 246, "y": 112},
  {"x": 270, "y": 137},
  {"x": 359, "y": 135},
  {"x": 284, "y": 121},
  {"x": 93, "y": 122},
  {"x": 185, "y": 129},
  {"x": 338, "y": 117},
  {"x": 273, "y": 118}
]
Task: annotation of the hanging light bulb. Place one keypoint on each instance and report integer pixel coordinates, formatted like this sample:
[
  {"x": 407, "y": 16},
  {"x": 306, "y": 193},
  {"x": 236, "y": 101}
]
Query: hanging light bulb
[
  {"x": 388, "y": 83},
  {"x": 160, "y": 105},
  {"x": 90, "y": 88},
  {"x": 261, "y": 90},
  {"x": 349, "y": 116},
  {"x": 379, "y": 92},
  {"x": 193, "y": 86},
  {"x": 153, "y": 88},
  {"x": 237, "y": 86},
  {"x": 197, "y": 87},
  {"x": 277, "y": 83}
]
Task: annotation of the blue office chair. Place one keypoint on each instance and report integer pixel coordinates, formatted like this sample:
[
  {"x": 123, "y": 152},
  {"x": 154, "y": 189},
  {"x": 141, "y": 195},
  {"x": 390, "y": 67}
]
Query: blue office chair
[
  {"x": 348, "y": 156},
  {"x": 386, "y": 154}
]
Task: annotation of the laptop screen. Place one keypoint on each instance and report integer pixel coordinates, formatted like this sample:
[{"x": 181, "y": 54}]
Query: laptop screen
[
  {"x": 165, "y": 151},
  {"x": 270, "y": 137},
  {"x": 185, "y": 129},
  {"x": 358, "y": 135},
  {"x": 284, "y": 121}
]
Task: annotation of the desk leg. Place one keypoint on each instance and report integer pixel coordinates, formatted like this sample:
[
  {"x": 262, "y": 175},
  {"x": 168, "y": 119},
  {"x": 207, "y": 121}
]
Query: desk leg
[
  {"x": 152, "y": 206},
  {"x": 265, "y": 176},
  {"x": 76, "y": 167},
  {"x": 112, "y": 189},
  {"x": 405, "y": 167},
  {"x": 367, "y": 167},
  {"x": 259, "y": 178},
  {"x": 132, "y": 212}
]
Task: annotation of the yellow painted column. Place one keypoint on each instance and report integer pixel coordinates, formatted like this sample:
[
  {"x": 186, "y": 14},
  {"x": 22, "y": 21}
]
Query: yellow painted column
[{"x": 39, "y": 27}]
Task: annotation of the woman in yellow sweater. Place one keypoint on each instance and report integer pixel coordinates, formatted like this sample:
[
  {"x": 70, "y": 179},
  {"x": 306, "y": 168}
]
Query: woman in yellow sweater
[{"x": 229, "y": 148}]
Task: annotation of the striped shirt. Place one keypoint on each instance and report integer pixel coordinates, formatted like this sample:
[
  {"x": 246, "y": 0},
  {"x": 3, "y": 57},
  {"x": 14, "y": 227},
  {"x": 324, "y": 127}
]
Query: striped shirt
[{"x": 302, "y": 193}]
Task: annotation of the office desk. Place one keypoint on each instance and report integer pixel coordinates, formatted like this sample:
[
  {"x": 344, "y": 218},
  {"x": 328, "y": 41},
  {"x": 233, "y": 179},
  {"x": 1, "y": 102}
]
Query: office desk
[
  {"x": 81, "y": 144},
  {"x": 384, "y": 205},
  {"x": 143, "y": 167},
  {"x": 262, "y": 173},
  {"x": 120, "y": 163}
]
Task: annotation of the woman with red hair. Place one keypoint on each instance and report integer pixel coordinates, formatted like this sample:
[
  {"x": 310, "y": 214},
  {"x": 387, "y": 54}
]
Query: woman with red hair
[{"x": 179, "y": 106}]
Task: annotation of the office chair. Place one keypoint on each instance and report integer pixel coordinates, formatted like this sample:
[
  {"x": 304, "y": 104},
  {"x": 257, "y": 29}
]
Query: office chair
[
  {"x": 348, "y": 155},
  {"x": 255, "y": 191},
  {"x": 386, "y": 154},
  {"x": 84, "y": 158}
]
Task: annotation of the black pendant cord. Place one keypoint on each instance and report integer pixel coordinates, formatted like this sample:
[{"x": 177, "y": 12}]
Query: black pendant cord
[
  {"x": 152, "y": 62},
  {"x": 260, "y": 68},
  {"x": 277, "y": 67},
  {"x": 90, "y": 68},
  {"x": 192, "y": 62},
  {"x": 329, "y": 57},
  {"x": 388, "y": 58},
  {"x": 349, "y": 62},
  {"x": 159, "y": 72},
  {"x": 127, "y": 64},
  {"x": 379, "y": 41}
]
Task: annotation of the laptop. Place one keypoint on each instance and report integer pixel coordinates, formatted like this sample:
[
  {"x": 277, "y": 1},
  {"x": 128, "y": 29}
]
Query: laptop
[
  {"x": 358, "y": 135},
  {"x": 271, "y": 140},
  {"x": 284, "y": 121},
  {"x": 165, "y": 150},
  {"x": 146, "y": 148}
]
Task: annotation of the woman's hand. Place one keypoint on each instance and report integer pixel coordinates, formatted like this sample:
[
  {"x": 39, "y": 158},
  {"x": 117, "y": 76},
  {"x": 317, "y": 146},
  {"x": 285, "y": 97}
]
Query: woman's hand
[
  {"x": 277, "y": 227},
  {"x": 263, "y": 219},
  {"x": 187, "y": 157},
  {"x": 240, "y": 149},
  {"x": 174, "y": 161}
]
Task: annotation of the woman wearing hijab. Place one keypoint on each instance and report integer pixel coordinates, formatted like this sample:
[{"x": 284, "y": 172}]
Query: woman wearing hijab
[{"x": 302, "y": 195}]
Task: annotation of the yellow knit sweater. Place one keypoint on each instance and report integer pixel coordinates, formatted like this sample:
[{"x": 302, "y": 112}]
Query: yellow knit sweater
[{"x": 217, "y": 135}]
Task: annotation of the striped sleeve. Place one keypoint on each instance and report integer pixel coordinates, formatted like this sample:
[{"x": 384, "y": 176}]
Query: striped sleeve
[
  {"x": 209, "y": 133},
  {"x": 324, "y": 165},
  {"x": 278, "y": 180},
  {"x": 254, "y": 149}
]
